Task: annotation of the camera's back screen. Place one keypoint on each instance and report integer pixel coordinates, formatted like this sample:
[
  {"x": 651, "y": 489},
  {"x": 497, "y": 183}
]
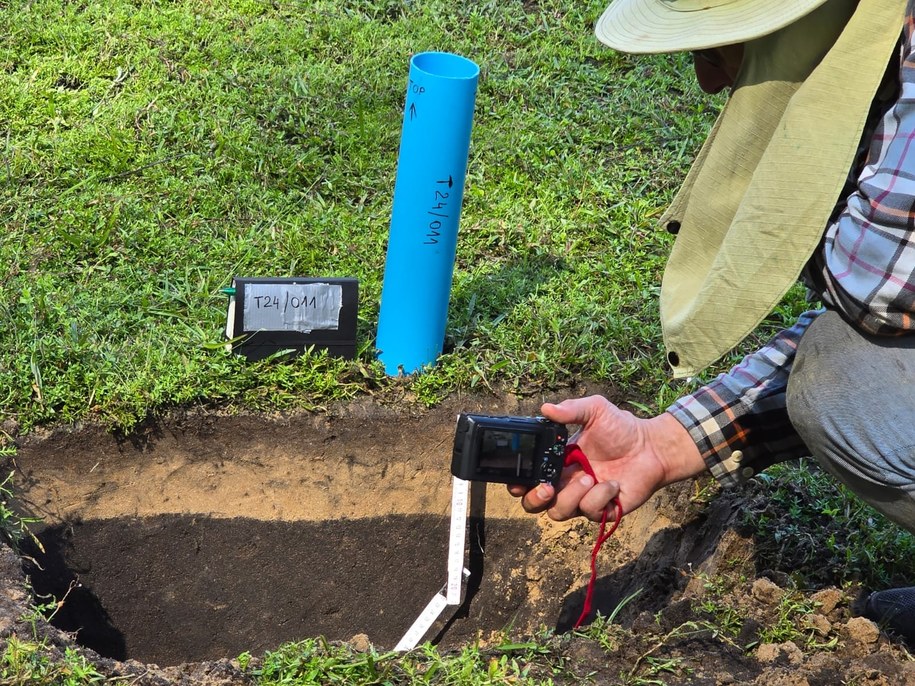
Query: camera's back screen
[{"x": 507, "y": 453}]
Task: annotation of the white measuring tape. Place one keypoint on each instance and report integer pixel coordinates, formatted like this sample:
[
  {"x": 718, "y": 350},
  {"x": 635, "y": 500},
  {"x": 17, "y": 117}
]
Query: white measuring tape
[
  {"x": 426, "y": 619},
  {"x": 450, "y": 594},
  {"x": 459, "y": 491}
]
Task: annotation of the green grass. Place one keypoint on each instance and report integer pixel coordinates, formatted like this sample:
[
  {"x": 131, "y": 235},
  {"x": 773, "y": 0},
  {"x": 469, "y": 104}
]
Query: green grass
[
  {"x": 30, "y": 663},
  {"x": 815, "y": 529},
  {"x": 152, "y": 151},
  {"x": 316, "y": 661}
]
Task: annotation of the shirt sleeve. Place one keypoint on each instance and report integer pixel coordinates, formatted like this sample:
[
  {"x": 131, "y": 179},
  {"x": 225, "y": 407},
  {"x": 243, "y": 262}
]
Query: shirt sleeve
[
  {"x": 740, "y": 420},
  {"x": 867, "y": 262}
]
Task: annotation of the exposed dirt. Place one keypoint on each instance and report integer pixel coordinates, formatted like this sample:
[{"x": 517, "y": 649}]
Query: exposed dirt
[{"x": 203, "y": 536}]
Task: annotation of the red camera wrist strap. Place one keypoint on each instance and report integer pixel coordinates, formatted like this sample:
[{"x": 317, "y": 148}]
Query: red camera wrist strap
[{"x": 574, "y": 455}]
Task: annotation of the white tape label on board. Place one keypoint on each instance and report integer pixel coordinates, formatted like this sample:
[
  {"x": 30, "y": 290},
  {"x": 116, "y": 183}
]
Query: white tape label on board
[
  {"x": 303, "y": 307},
  {"x": 459, "y": 491}
]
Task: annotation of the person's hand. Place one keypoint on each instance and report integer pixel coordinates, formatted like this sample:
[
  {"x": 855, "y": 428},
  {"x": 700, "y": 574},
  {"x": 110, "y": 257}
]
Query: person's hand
[{"x": 631, "y": 457}]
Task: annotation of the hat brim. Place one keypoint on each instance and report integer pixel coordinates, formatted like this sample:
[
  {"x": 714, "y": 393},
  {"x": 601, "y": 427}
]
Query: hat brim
[{"x": 657, "y": 26}]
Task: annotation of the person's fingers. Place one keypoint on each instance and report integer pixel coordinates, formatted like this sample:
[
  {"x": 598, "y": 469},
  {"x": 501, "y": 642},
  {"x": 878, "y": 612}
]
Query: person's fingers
[
  {"x": 568, "y": 499},
  {"x": 538, "y": 499},
  {"x": 578, "y": 496},
  {"x": 598, "y": 499},
  {"x": 518, "y": 491}
]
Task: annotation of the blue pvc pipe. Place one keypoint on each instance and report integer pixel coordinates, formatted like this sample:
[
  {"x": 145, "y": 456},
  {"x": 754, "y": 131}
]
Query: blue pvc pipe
[{"x": 428, "y": 191}]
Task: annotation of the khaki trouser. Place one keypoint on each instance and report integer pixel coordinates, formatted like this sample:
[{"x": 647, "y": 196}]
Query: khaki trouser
[{"x": 851, "y": 397}]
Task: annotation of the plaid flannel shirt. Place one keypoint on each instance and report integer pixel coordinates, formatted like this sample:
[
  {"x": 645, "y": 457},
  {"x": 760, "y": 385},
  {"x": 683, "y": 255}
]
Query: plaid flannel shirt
[{"x": 864, "y": 268}]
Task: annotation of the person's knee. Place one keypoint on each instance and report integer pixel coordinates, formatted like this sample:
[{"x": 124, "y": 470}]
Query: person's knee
[
  {"x": 818, "y": 393},
  {"x": 807, "y": 407},
  {"x": 849, "y": 399}
]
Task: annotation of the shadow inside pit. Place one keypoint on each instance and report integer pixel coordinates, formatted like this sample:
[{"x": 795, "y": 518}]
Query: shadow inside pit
[
  {"x": 654, "y": 581},
  {"x": 171, "y": 589},
  {"x": 81, "y": 611},
  {"x": 649, "y": 582}
]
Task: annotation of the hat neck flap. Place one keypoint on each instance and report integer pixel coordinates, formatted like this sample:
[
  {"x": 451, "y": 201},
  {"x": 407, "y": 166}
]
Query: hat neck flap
[{"x": 756, "y": 201}]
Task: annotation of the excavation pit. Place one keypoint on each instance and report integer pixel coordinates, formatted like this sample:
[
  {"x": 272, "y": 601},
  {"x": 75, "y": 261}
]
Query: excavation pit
[{"x": 205, "y": 536}]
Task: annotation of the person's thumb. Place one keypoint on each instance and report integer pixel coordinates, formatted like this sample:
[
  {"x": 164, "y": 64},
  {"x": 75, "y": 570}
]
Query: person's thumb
[{"x": 573, "y": 411}]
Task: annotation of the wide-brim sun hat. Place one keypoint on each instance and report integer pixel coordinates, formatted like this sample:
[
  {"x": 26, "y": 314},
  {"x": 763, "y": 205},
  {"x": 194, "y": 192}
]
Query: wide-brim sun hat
[{"x": 661, "y": 26}]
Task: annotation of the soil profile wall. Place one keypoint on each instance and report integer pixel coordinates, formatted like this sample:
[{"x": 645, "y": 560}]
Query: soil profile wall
[{"x": 205, "y": 536}]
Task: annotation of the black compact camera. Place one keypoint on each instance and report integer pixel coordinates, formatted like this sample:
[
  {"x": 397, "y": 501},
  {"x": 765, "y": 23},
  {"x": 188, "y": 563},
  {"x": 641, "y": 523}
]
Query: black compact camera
[{"x": 510, "y": 450}]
